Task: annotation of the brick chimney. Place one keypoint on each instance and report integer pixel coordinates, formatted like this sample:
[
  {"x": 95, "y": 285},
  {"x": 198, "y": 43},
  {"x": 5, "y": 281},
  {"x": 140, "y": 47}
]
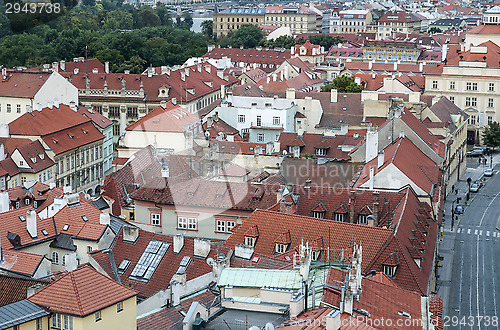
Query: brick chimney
[
  {"x": 375, "y": 208},
  {"x": 351, "y": 206}
]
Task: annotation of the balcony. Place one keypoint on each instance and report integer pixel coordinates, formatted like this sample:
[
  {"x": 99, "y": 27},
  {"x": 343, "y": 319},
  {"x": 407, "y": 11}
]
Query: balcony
[{"x": 264, "y": 125}]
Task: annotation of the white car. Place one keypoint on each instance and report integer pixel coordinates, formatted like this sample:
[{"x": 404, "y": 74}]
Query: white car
[{"x": 488, "y": 172}]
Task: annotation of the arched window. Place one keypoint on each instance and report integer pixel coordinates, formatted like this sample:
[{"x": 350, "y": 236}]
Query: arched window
[
  {"x": 63, "y": 260},
  {"x": 55, "y": 258}
]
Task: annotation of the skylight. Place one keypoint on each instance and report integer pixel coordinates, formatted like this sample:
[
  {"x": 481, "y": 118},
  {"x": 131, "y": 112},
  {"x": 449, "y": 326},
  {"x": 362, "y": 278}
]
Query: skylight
[
  {"x": 22, "y": 218},
  {"x": 123, "y": 266},
  {"x": 183, "y": 266},
  {"x": 65, "y": 227},
  {"x": 44, "y": 232},
  {"x": 84, "y": 217},
  {"x": 149, "y": 260}
]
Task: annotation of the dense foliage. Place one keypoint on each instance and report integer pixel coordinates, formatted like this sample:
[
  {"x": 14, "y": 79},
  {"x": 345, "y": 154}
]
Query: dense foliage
[
  {"x": 343, "y": 84},
  {"x": 129, "y": 38},
  {"x": 491, "y": 135}
]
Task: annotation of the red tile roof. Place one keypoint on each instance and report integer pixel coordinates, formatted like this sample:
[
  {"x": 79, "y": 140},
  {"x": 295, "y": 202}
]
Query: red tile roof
[
  {"x": 82, "y": 65},
  {"x": 171, "y": 119},
  {"x": 410, "y": 160},
  {"x": 491, "y": 57},
  {"x": 140, "y": 168},
  {"x": 170, "y": 318},
  {"x": 381, "y": 298},
  {"x": 178, "y": 83},
  {"x": 335, "y": 234},
  {"x": 221, "y": 127},
  {"x": 81, "y": 292},
  {"x": 21, "y": 263},
  {"x": 485, "y": 29},
  {"x": 398, "y": 16},
  {"x": 204, "y": 193},
  {"x": 234, "y": 170},
  {"x": 73, "y": 137},
  {"x": 165, "y": 270},
  {"x": 310, "y": 142},
  {"x": 98, "y": 119},
  {"x": 15, "y": 288},
  {"x": 264, "y": 57},
  {"x": 22, "y": 84},
  {"x": 47, "y": 121}
]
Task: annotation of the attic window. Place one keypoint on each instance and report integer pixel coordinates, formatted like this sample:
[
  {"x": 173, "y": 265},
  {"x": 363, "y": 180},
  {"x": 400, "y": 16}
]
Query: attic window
[
  {"x": 250, "y": 241},
  {"x": 390, "y": 270},
  {"x": 124, "y": 266},
  {"x": 280, "y": 248},
  {"x": 22, "y": 218},
  {"x": 44, "y": 232},
  {"x": 55, "y": 141},
  {"x": 65, "y": 227},
  {"x": 84, "y": 218},
  {"x": 84, "y": 131},
  {"x": 318, "y": 215},
  {"x": 70, "y": 136},
  {"x": 42, "y": 156},
  {"x": 156, "y": 121}
]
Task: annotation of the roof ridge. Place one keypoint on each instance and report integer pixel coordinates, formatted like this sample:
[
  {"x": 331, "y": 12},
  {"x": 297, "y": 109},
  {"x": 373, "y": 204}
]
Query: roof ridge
[{"x": 75, "y": 289}]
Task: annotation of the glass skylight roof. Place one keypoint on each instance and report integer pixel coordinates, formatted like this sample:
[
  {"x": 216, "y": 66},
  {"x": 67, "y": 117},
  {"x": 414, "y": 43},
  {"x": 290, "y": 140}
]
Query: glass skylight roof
[{"x": 149, "y": 260}]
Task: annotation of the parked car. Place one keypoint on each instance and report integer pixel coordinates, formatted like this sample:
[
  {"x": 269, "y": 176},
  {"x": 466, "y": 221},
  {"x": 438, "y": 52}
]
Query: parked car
[
  {"x": 475, "y": 153},
  {"x": 488, "y": 172},
  {"x": 479, "y": 183},
  {"x": 474, "y": 187},
  {"x": 459, "y": 209}
]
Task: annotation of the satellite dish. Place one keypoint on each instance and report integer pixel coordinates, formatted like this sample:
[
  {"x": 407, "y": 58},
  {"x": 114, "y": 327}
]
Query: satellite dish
[
  {"x": 210, "y": 261},
  {"x": 269, "y": 326}
]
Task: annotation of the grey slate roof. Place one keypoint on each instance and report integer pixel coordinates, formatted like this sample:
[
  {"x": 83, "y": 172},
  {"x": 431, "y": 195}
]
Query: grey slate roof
[
  {"x": 63, "y": 241},
  {"x": 20, "y": 312},
  {"x": 100, "y": 203}
]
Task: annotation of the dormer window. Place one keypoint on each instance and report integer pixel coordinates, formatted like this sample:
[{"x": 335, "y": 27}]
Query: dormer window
[
  {"x": 315, "y": 255},
  {"x": 390, "y": 270},
  {"x": 250, "y": 241},
  {"x": 341, "y": 217},
  {"x": 362, "y": 219},
  {"x": 321, "y": 151},
  {"x": 280, "y": 248},
  {"x": 42, "y": 156},
  {"x": 318, "y": 215}
]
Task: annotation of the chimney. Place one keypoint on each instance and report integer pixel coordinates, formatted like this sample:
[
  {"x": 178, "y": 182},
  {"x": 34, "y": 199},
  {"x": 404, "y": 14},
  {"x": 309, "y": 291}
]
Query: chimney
[
  {"x": 371, "y": 144},
  {"x": 375, "y": 208},
  {"x": 208, "y": 68},
  {"x": 286, "y": 207},
  {"x": 150, "y": 72},
  {"x": 373, "y": 75},
  {"x": 31, "y": 223},
  {"x": 279, "y": 194},
  {"x": 370, "y": 65},
  {"x": 104, "y": 218},
  {"x": 395, "y": 66},
  {"x": 201, "y": 248},
  {"x": 165, "y": 172},
  {"x": 55, "y": 66},
  {"x": 106, "y": 67},
  {"x": 352, "y": 201},
  {"x": 174, "y": 101},
  {"x": 2, "y": 152},
  {"x": 186, "y": 71},
  {"x": 72, "y": 105},
  {"x": 380, "y": 159},
  {"x": 71, "y": 262},
  {"x": 333, "y": 95},
  {"x": 243, "y": 251},
  {"x": 130, "y": 233},
  {"x": 436, "y": 99},
  {"x": 290, "y": 93},
  {"x": 4, "y": 201},
  {"x": 370, "y": 178},
  {"x": 4, "y": 131},
  {"x": 34, "y": 289},
  {"x": 62, "y": 65},
  {"x": 421, "y": 67},
  {"x": 4, "y": 73},
  {"x": 210, "y": 122},
  {"x": 222, "y": 91},
  {"x": 178, "y": 243},
  {"x": 198, "y": 67},
  {"x": 333, "y": 321}
]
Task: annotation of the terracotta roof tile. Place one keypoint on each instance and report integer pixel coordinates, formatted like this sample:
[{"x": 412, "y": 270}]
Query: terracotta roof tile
[
  {"x": 22, "y": 84},
  {"x": 19, "y": 262},
  {"x": 15, "y": 288},
  {"x": 81, "y": 292},
  {"x": 171, "y": 119}
]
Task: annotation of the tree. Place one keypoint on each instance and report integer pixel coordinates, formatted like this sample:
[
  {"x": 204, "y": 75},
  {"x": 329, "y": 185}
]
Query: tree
[
  {"x": 207, "y": 28},
  {"x": 491, "y": 135},
  {"x": 247, "y": 36},
  {"x": 164, "y": 15},
  {"x": 434, "y": 29},
  {"x": 343, "y": 84},
  {"x": 325, "y": 40},
  {"x": 286, "y": 42},
  {"x": 185, "y": 22}
]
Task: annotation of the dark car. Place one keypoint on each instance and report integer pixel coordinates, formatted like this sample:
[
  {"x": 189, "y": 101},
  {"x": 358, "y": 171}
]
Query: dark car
[{"x": 459, "y": 209}]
